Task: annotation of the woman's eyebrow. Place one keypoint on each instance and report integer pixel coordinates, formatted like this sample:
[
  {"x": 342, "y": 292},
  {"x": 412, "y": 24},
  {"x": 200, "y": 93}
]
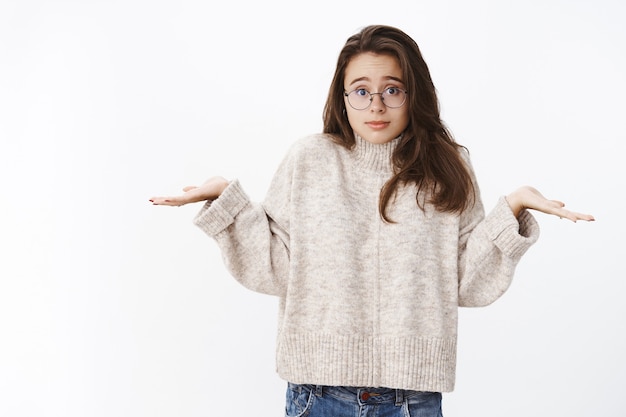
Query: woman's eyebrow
[
  {"x": 391, "y": 77},
  {"x": 356, "y": 80},
  {"x": 388, "y": 77}
]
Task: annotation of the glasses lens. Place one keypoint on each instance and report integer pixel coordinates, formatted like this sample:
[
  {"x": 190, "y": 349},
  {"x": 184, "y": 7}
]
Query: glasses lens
[
  {"x": 359, "y": 99},
  {"x": 393, "y": 97}
]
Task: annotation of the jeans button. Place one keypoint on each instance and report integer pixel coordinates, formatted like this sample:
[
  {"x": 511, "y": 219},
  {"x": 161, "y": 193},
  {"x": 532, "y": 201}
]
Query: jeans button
[{"x": 365, "y": 396}]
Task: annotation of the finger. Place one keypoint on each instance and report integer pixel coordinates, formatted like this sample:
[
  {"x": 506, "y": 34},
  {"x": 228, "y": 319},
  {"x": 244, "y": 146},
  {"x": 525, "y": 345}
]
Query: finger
[
  {"x": 189, "y": 188},
  {"x": 551, "y": 207},
  {"x": 558, "y": 203},
  {"x": 585, "y": 217},
  {"x": 573, "y": 216},
  {"x": 166, "y": 201}
]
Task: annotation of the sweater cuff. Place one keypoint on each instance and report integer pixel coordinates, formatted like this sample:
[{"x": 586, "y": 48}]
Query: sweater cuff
[
  {"x": 513, "y": 236},
  {"x": 218, "y": 214}
]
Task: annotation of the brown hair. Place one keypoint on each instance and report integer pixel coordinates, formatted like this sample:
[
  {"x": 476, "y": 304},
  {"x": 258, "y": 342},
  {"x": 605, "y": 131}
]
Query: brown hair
[{"x": 426, "y": 155}]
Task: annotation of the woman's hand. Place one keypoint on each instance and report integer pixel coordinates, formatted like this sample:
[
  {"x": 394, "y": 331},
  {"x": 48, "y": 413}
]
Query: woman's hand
[
  {"x": 529, "y": 198},
  {"x": 210, "y": 190}
]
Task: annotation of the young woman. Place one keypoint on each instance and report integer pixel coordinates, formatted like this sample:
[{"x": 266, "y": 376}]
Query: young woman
[{"x": 372, "y": 234}]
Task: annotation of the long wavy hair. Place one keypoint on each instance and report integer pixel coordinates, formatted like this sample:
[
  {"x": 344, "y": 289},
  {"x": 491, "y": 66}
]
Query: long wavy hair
[{"x": 426, "y": 154}]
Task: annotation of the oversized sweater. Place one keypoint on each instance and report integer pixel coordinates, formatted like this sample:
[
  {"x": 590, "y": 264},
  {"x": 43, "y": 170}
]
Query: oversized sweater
[{"x": 363, "y": 302}]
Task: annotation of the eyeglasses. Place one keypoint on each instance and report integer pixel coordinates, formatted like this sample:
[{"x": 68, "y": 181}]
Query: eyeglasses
[{"x": 361, "y": 99}]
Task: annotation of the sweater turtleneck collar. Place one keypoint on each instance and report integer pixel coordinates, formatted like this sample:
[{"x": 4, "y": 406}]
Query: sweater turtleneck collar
[{"x": 374, "y": 156}]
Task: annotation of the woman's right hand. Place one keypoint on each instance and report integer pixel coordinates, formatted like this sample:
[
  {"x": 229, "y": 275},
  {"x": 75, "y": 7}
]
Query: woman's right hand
[
  {"x": 529, "y": 198},
  {"x": 210, "y": 190}
]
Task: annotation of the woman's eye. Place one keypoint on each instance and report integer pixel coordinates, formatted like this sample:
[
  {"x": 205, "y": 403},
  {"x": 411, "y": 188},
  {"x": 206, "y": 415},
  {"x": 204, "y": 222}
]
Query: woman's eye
[
  {"x": 361, "y": 92},
  {"x": 392, "y": 90}
]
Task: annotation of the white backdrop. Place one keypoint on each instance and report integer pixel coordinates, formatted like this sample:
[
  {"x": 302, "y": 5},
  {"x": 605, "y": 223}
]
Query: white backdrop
[{"x": 112, "y": 307}]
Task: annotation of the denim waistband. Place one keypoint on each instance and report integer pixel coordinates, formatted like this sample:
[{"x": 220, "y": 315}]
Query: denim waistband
[{"x": 361, "y": 395}]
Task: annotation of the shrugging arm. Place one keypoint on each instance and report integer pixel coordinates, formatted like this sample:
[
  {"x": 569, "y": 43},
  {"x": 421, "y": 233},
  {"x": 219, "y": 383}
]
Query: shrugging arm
[
  {"x": 255, "y": 248},
  {"x": 489, "y": 250},
  {"x": 254, "y": 237}
]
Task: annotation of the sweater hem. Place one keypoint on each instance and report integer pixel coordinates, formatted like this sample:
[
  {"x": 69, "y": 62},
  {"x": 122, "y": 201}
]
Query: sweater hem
[{"x": 411, "y": 362}]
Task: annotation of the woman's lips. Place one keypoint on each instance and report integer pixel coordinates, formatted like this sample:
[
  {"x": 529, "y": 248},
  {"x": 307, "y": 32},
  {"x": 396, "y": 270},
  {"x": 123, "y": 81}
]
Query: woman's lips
[{"x": 377, "y": 124}]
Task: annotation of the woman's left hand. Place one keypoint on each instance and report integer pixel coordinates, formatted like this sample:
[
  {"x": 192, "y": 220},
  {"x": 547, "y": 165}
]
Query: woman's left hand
[{"x": 529, "y": 198}]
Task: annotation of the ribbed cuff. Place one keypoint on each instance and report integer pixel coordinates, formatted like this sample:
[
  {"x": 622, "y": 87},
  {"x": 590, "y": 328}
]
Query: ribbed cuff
[
  {"x": 513, "y": 236},
  {"x": 220, "y": 213}
]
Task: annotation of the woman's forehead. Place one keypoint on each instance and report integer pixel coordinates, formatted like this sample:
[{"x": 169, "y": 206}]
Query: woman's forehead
[{"x": 370, "y": 67}]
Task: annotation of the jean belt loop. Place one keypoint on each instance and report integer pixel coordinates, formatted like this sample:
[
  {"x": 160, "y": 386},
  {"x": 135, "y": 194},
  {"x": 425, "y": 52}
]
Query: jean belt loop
[
  {"x": 318, "y": 390},
  {"x": 399, "y": 397}
]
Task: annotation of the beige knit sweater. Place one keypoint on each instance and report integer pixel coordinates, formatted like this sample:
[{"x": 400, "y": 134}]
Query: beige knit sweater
[{"x": 363, "y": 302}]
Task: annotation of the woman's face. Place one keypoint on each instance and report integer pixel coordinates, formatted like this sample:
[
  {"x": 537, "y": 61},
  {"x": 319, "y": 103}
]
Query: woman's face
[{"x": 373, "y": 73}]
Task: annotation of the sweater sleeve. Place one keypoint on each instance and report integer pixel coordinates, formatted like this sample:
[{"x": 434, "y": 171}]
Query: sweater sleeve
[
  {"x": 489, "y": 250},
  {"x": 254, "y": 244}
]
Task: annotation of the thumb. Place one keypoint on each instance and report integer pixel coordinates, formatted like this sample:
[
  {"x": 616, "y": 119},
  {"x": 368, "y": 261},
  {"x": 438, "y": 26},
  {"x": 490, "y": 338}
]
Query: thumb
[{"x": 189, "y": 188}]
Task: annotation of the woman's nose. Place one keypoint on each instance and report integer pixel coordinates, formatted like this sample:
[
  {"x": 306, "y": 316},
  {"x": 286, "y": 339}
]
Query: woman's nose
[{"x": 377, "y": 103}]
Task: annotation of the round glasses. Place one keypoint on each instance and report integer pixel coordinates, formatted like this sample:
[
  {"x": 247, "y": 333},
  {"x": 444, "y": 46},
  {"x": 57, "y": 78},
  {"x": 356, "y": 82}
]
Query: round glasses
[{"x": 361, "y": 99}]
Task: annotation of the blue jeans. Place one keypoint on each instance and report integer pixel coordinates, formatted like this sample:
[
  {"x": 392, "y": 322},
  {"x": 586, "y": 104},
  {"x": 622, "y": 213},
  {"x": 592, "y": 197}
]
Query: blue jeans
[{"x": 322, "y": 401}]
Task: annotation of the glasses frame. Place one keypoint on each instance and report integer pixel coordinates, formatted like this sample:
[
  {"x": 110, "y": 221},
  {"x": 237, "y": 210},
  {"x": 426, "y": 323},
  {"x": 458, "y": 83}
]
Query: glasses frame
[{"x": 371, "y": 98}]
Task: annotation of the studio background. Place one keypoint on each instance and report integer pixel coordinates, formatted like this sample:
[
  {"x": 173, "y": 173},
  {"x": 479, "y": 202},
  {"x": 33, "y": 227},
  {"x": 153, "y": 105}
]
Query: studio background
[{"x": 110, "y": 306}]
